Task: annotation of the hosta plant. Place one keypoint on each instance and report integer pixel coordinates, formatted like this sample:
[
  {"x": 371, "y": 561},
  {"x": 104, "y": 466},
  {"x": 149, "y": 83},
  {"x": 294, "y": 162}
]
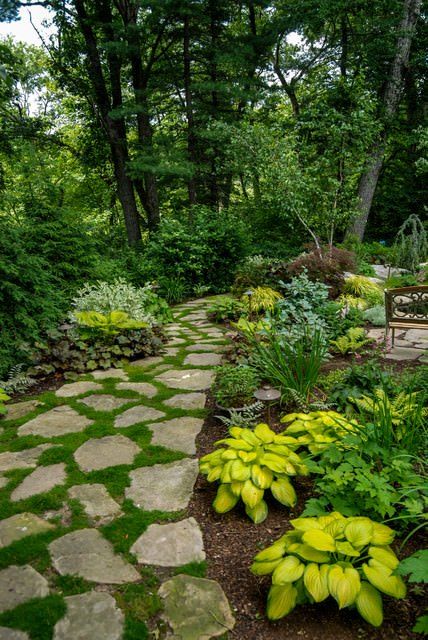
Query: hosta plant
[
  {"x": 109, "y": 324},
  {"x": 348, "y": 559},
  {"x": 247, "y": 464},
  {"x": 3, "y": 398},
  {"x": 318, "y": 429}
]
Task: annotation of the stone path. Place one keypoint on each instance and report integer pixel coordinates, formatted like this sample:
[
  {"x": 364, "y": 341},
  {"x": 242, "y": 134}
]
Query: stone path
[
  {"x": 408, "y": 345},
  {"x": 120, "y": 446}
]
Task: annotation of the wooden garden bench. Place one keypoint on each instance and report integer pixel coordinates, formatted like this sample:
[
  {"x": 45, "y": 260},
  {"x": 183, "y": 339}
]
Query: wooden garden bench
[{"x": 406, "y": 308}]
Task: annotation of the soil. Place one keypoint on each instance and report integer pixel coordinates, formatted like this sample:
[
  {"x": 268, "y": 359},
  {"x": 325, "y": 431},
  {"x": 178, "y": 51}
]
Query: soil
[{"x": 231, "y": 542}]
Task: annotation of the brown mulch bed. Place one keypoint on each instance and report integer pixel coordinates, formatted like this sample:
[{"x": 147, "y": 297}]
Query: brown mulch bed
[{"x": 232, "y": 540}]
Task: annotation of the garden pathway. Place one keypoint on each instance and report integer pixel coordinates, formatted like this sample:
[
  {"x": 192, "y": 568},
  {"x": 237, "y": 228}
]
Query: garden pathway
[{"x": 96, "y": 479}]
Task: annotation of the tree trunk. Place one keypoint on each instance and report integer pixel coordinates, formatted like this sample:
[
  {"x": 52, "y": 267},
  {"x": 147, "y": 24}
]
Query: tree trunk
[
  {"x": 114, "y": 129},
  {"x": 390, "y": 102},
  {"x": 191, "y": 137}
]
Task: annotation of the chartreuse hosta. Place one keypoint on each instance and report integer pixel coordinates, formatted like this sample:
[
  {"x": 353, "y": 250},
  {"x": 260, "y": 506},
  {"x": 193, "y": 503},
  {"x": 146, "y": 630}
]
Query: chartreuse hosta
[
  {"x": 346, "y": 558},
  {"x": 318, "y": 429},
  {"x": 251, "y": 462}
]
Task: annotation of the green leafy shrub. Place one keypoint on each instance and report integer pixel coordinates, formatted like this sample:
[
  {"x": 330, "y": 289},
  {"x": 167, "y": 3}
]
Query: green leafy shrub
[
  {"x": 3, "y": 398},
  {"x": 357, "y": 380},
  {"x": 403, "y": 280},
  {"x": 352, "y": 342},
  {"x": 411, "y": 244},
  {"x": 65, "y": 350},
  {"x": 254, "y": 271},
  {"x": 362, "y": 287},
  {"x": 364, "y": 268},
  {"x": 348, "y": 559},
  {"x": 250, "y": 463},
  {"x": 174, "y": 289},
  {"x": 140, "y": 303},
  {"x": 376, "y": 315},
  {"x": 203, "y": 250},
  {"x": 227, "y": 309},
  {"x": 234, "y": 386},
  {"x": 416, "y": 568}
]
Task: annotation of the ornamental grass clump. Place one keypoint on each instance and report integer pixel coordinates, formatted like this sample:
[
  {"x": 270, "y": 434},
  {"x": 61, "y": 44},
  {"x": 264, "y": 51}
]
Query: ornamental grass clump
[
  {"x": 348, "y": 559},
  {"x": 318, "y": 429},
  {"x": 250, "y": 463}
]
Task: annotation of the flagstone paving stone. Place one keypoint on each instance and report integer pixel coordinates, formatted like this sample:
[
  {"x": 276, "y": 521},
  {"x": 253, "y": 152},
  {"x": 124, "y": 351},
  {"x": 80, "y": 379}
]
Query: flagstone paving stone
[
  {"x": 105, "y": 402},
  {"x": 20, "y": 526},
  {"x": 146, "y": 362},
  {"x": 96, "y": 501},
  {"x": 20, "y": 584},
  {"x": 90, "y": 616},
  {"x": 20, "y": 409},
  {"x": 174, "y": 341},
  {"x": 144, "y": 388},
  {"x": 86, "y": 553},
  {"x": 203, "y": 359},
  {"x": 77, "y": 388},
  {"x": 195, "y": 608},
  {"x": 191, "y": 379},
  {"x": 163, "y": 487},
  {"x": 204, "y": 347},
  {"x": 403, "y": 353},
  {"x": 101, "y": 453},
  {"x": 13, "y": 634},
  {"x": 59, "y": 421},
  {"x": 25, "y": 459},
  {"x": 194, "y": 400},
  {"x": 171, "y": 351},
  {"x": 41, "y": 480},
  {"x": 178, "y": 434},
  {"x": 170, "y": 545},
  {"x": 103, "y": 374},
  {"x": 137, "y": 414}
]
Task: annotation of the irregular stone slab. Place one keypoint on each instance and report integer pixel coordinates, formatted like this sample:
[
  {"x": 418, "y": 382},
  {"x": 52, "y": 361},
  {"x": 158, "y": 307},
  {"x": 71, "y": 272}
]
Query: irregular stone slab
[
  {"x": 417, "y": 335},
  {"x": 105, "y": 402},
  {"x": 194, "y": 316},
  {"x": 193, "y": 400},
  {"x": 20, "y": 409},
  {"x": 171, "y": 351},
  {"x": 77, "y": 388},
  {"x": 20, "y": 584},
  {"x": 57, "y": 422},
  {"x": 90, "y": 616},
  {"x": 173, "y": 327},
  {"x": 87, "y": 554},
  {"x": 146, "y": 362},
  {"x": 20, "y": 526},
  {"x": 204, "y": 347},
  {"x": 110, "y": 451},
  {"x": 376, "y": 334},
  {"x": 178, "y": 434},
  {"x": 137, "y": 414},
  {"x": 170, "y": 545},
  {"x": 42, "y": 479},
  {"x": 97, "y": 502},
  {"x": 25, "y": 459},
  {"x": 163, "y": 487},
  {"x": 203, "y": 359},
  {"x": 174, "y": 341},
  {"x": 403, "y": 353},
  {"x": 103, "y": 374},
  {"x": 145, "y": 388},
  {"x": 195, "y": 608},
  {"x": 192, "y": 379},
  {"x": 13, "y": 634}
]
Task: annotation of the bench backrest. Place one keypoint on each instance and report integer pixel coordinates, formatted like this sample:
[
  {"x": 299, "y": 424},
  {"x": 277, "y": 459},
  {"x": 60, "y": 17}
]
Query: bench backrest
[{"x": 407, "y": 304}]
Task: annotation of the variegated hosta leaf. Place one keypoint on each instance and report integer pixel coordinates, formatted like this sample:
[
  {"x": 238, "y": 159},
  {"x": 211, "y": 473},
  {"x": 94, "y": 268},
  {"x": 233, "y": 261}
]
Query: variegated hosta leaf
[
  {"x": 385, "y": 556},
  {"x": 225, "y": 500},
  {"x": 283, "y": 491},
  {"x": 319, "y": 540},
  {"x": 369, "y": 604},
  {"x": 289, "y": 570},
  {"x": 309, "y": 553},
  {"x": 262, "y": 477},
  {"x": 344, "y": 585},
  {"x": 264, "y": 568},
  {"x": 345, "y": 548},
  {"x": 316, "y": 581},
  {"x": 382, "y": 535},
  {"x": 306, "y": 524},
  {"x": 239, "y": 471},
  {"x": 265, "y": 434},
  {"x": 251, "y": 495},
  {"x": 381, "y": 577},
  {"x": 359, "y": 531},
  {"x": 257, "y": 513},
  {"x": 275, "y": 551},
  {"x": 281, "y": 600}
]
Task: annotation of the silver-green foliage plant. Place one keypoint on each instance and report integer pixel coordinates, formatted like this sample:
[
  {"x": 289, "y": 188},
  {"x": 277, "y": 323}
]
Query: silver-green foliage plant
[
  {"x": 17, "y": 380},
  {"x": 140, "y": 303},
  {"x": 376, "y": 315},
  {"x": 411, "y": 244}
]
